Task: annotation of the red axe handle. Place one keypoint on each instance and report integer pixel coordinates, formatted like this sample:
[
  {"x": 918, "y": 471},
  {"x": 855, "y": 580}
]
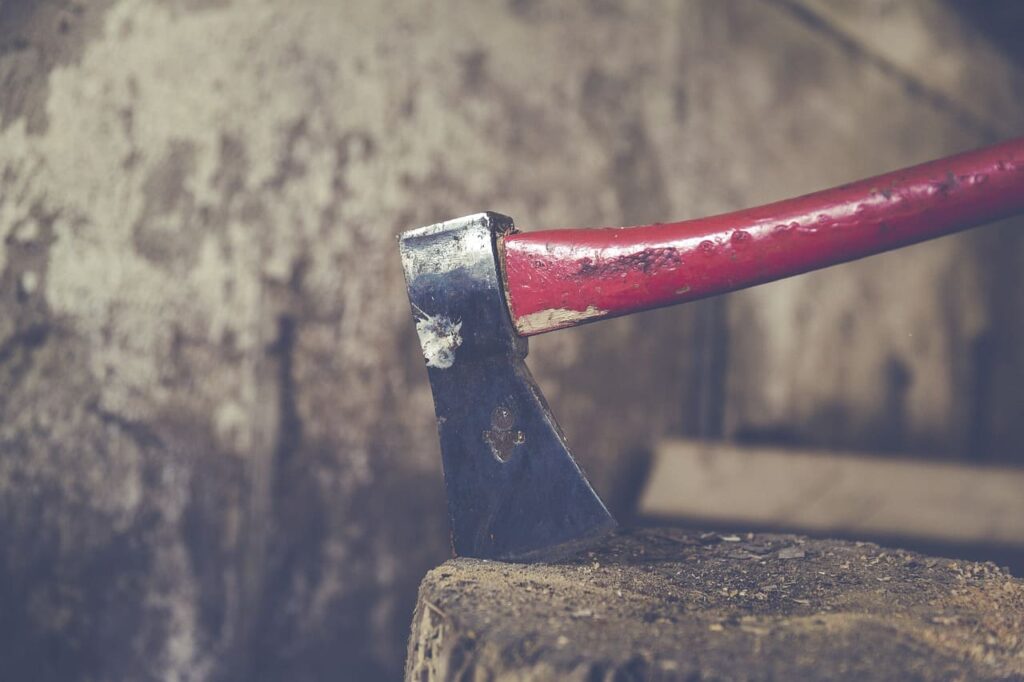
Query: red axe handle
[{"x": 561, "y": 278}]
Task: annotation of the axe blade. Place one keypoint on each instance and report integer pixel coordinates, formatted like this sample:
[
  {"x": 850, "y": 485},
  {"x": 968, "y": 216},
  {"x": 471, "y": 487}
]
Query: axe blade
[{"x": 514, "y": 491}]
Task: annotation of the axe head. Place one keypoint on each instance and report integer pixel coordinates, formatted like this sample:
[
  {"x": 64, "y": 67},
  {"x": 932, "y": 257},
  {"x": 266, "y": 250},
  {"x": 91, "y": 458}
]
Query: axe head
[{"x": 514, "y": 491}]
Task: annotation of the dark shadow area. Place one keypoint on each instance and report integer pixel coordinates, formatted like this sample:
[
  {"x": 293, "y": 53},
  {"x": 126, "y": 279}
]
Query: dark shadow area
[{"x": 1002, "y": 21}]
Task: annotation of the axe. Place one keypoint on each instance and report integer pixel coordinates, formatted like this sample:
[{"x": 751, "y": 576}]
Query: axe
[{"x": 478, "y": 288}]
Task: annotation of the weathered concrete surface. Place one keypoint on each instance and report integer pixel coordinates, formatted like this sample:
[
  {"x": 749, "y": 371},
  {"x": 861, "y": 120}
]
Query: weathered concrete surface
[
  {"x": 665, "y": 604},
  {"x": 217, "y": 450}
]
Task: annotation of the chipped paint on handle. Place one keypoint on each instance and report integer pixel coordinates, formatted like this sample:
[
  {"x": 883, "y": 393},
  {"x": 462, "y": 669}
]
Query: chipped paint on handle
[
  {"x": 556, "y": 318},
  {"x": 561, "y": 278}
]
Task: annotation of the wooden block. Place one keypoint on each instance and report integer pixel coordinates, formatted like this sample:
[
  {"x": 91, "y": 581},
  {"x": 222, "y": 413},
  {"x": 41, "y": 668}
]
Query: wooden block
[
  {"x": 853, "y": 494},
  {"x": 664, "y": 604}
]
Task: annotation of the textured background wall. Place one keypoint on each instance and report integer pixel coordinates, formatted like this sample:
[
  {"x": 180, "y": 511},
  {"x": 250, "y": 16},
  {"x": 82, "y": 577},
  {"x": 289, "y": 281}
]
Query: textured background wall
[{"x": 217, "y": 451}]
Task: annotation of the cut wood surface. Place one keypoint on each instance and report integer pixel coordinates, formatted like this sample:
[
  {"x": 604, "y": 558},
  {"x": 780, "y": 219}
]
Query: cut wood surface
[{"x": 666, "y": 604}]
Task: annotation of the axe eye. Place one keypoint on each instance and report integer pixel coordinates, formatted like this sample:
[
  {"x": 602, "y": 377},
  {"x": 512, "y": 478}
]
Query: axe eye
[{"x": 501, "y": 436}]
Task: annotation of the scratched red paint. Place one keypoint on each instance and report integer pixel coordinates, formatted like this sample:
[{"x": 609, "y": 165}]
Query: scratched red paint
[{"x": 559, "y": 278}]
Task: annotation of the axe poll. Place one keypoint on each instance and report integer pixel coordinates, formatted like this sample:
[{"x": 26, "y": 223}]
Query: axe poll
[{"x": 478, "y": 288}]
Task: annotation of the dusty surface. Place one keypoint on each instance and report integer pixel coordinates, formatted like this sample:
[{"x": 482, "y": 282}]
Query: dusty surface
[{"x": 664, "y": 604}]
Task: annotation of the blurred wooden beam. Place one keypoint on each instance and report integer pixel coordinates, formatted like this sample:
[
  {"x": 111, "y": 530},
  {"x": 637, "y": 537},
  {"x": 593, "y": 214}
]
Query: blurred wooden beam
[{"x": 829, "y": 492}]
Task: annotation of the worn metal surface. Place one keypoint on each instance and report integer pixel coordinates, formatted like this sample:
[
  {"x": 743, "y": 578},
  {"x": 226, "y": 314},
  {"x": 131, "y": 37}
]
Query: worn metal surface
[
  {"x": 560, "y": 278},
  {"x": 514, "y": 491}
]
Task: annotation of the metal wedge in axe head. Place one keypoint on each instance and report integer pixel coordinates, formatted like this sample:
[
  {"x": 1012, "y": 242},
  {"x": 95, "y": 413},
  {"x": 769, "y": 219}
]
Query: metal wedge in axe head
[{"x": 478, "y": 288}]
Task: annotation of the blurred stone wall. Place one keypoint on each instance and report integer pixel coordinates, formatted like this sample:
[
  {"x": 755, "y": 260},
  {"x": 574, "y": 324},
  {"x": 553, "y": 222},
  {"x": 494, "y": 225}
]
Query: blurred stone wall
[{"x": 217, "y": 449}]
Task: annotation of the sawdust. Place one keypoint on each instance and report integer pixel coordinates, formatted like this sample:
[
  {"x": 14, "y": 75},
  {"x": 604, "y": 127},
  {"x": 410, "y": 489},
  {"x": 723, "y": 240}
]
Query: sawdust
[{"x": 667, "y": 604}]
